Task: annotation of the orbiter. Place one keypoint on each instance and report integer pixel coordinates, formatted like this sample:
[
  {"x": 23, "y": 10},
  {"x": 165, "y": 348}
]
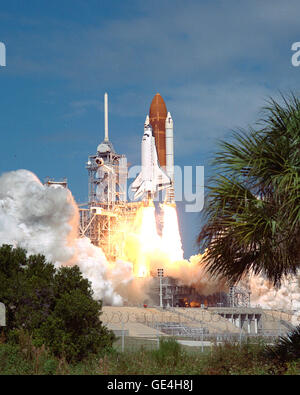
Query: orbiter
[{"x": 152, "y": 178}]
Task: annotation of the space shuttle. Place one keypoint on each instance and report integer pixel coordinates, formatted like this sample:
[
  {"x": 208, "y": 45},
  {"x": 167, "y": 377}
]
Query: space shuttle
[{"x": 151, "y": 178}]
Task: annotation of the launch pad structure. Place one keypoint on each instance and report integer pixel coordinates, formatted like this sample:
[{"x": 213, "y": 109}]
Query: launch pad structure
[
  {"x": 168, "y": 292},
  {"x": 108, "y": 214}
]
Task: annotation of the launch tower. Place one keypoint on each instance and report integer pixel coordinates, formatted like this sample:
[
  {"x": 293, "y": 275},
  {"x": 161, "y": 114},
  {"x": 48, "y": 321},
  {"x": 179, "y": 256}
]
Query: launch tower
[{"x": 107, "y": 206}]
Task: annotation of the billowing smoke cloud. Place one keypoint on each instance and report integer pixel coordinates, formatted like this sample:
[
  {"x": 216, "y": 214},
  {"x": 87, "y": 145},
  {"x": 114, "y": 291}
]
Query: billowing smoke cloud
[
  {"x": 287, "y": 297},
  {"x": 44, "y": 220},
  {"x": 35, "y": 217},
  {"x": 190, "y": 272}
]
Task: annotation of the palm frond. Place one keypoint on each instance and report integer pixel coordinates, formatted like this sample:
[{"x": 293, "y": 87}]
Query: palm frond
[{"x": 252, "y": 217}]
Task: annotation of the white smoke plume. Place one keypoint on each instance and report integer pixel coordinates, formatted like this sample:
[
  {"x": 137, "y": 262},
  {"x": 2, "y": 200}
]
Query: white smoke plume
[
  {"x": 191, "y": 272},
  {"x": 44, "y": 220},
  {"x": 286, "y": 297}
]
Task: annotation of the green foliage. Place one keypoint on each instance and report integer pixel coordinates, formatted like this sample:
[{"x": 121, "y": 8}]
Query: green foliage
[
  {"x": 69, "y": 278},
  {"x": 55, "y": 307},
  {"x": 253, "y": 209},
  {"x": 74, "y": 328},
  {"x": 50, "y": 366},
  {"x": 22, "y": 356},
  {"x": 26, "y": 288},
  {"x": 293, "y": 368},
  {"x": 12, "y": 361},
  {"x": 287, "y": 347},
  {"x": 169, "y": 352},
  {"x": 240, "y": 359},
  {"x": 228, "y": 359}
]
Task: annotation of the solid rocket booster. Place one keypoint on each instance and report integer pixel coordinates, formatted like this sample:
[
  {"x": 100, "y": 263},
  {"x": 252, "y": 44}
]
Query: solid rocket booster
[
  {"x": 169, "y": 147},
  {"x": 151, "y": 178},
  {"x": 170, "y": 157}
]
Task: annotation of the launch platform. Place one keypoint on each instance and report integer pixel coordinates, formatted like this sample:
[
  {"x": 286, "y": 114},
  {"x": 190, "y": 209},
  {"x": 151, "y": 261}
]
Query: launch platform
[{"x": 195, "y": 323}]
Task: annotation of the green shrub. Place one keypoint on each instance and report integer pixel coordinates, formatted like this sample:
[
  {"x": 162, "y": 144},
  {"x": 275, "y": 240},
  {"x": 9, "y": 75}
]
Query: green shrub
[
  {"x": 74, "y": 329},
  {"x": 12, "y": 361},
  {"x": 230, "y": 359},
  {"x": 50, "y": 366},
  {"x": 55, "y": 307},
  {"x": 169, "y": 352},
  {"x": 235, "y": 359}
]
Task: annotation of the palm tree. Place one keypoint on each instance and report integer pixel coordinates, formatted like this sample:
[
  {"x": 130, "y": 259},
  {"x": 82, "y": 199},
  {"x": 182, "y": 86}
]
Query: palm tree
[
  {"x": 287, "y": 347},
  {"x": 253, "y": 205}
]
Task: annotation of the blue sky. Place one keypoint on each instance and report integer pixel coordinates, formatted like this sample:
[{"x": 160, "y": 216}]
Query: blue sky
[{"x": 214, "y": 62}]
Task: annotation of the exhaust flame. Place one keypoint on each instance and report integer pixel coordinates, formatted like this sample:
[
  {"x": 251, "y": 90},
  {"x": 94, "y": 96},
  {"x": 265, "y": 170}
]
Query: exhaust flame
[
  {"x": 142, "y": 241},
  {"x": 148, "y": 239},
  {"x": 146, "y": 249},
  {"x": 171, "y": 239}
]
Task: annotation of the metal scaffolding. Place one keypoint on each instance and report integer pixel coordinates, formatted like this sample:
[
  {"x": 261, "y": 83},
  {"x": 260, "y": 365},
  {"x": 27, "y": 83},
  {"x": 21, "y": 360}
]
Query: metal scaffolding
[
  {"x": 106, "y": 225},
  {"x": 171, "y": 292},
  {"x": 239, "y": 296},
  {"x": 107, "y": 172},
  {"x": 107, "y": 214}
]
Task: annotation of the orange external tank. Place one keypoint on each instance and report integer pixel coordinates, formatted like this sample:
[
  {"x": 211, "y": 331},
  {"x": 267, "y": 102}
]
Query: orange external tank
[{"x": 157, "y": 115}]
